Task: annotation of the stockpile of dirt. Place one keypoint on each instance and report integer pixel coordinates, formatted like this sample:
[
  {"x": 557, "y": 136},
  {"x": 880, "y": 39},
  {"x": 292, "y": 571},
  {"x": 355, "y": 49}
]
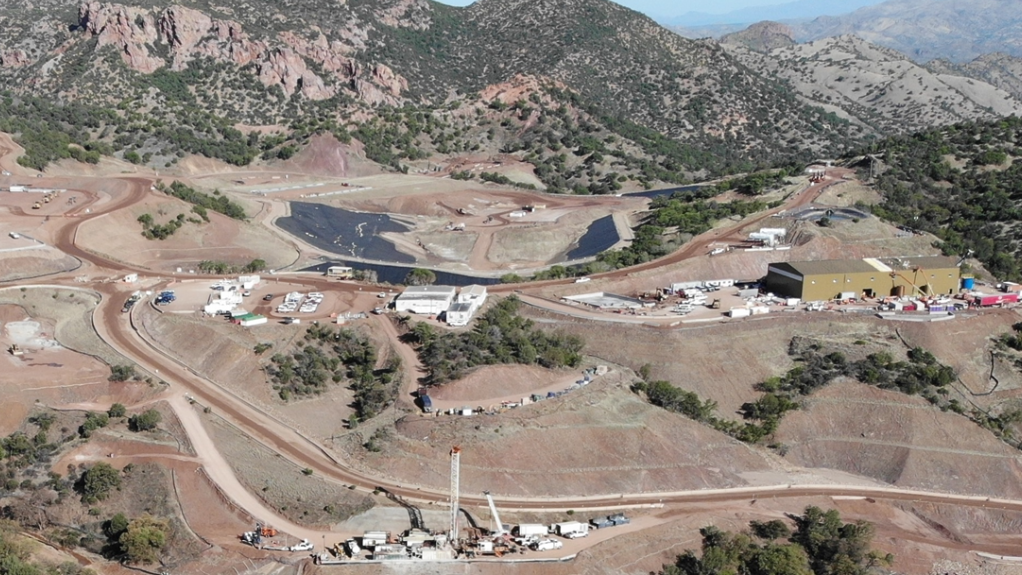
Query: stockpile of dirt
[
  {"x": 118, "y": 235},
  {"x": 599, "y": 439},
  {"x": 326, "y": 156},
  {"x": 898, "y": 439}
]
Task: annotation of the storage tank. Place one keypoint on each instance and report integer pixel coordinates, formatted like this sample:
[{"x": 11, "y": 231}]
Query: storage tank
[{"x": 968, "y": 283}]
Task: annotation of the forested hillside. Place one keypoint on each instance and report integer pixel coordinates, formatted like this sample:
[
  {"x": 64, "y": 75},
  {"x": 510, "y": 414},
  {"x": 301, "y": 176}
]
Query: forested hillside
[
  {"x": 157, "y": 79},
  {"x": 963, "y": 184}
]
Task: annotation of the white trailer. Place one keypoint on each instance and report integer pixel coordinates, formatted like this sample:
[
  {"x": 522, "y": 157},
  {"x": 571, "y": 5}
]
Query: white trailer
[
  {"x": 530, "y": 529},
  {"x": 570, "y": 529},
  {"x": 739, "y": 312},
  {"x": 253, "y": 322}
]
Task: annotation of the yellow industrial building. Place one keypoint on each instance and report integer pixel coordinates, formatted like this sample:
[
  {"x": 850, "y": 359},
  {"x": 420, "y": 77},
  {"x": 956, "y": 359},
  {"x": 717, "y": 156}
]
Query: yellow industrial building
[{"x": 869, "y": 277}]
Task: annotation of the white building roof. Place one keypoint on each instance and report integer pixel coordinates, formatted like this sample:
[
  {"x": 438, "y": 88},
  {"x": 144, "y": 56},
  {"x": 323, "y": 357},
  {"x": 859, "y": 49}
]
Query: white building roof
[
  {"x": 473, "y": 291},
  {"x": 428, "y": 293}
]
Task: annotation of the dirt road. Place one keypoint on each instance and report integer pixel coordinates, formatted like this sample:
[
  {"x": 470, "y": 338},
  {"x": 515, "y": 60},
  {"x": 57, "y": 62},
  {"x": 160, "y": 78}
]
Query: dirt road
[{"x": 115, "y": 328}]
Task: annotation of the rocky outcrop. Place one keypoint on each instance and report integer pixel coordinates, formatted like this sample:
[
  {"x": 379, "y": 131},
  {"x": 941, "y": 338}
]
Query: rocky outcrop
[
  {"x": 130, "y": 29},
  {"x": 14, "y": 59},
  {"x": 191, "y": 34},
  {"x": 385, "y": 78},
  {"x": 288, "y": 70}
]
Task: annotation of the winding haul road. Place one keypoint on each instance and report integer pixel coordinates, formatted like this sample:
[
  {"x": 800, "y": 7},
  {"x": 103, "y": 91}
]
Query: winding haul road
[{"x": 119, "y": 331}]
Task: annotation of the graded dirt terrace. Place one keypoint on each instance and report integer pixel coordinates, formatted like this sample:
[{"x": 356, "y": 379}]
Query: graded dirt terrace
[
  {"x": 118, "y": 235},
  {"x": 47, "y": 372}
]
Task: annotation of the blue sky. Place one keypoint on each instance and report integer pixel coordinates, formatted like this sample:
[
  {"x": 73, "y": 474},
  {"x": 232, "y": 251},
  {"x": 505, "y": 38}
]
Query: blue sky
[{"x": 670, "y": 8}]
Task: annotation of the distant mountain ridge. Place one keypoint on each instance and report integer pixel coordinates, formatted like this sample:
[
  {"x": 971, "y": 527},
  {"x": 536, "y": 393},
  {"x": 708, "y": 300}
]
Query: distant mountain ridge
[
  {"x": 797, "y": 10},
  {"x": 956, "y": 30},
  {"x": 872, "y": 86}
]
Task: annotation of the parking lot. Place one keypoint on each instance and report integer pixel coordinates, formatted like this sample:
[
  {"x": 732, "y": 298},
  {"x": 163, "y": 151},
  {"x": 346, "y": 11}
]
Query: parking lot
[{"x": 267, "y": 297}]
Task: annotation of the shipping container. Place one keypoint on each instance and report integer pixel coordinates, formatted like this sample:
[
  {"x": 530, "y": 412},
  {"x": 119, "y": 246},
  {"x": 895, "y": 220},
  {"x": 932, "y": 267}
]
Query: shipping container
[{"x": 254, "y": 321}]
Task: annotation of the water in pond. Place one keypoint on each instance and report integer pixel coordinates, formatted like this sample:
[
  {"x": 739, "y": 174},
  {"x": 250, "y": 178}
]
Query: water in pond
[
  {"x": 601, "y": 235},
  {"x": 344, "y": 232},
  {"x": 396, "y": 274},
  {"x": 666, "y": 192}
]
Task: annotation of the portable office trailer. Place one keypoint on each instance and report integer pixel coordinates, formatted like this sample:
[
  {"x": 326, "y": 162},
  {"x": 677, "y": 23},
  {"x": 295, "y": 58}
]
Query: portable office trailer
[
  {"x": 530, "y": 529},
  {"x": 340, "y": 272},
  {"x": 569, "y": 528}
]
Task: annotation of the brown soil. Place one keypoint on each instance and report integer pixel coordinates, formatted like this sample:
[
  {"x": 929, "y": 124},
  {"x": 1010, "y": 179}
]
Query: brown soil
[
  {"x": 900, "y": 440},
  {"x": 493, "y": 381},
  {"x": 304, "y": 499},
  {"x": 50, "y": 374},
  {"x": 497, "y": 240},
  {"x": 118, "y": 235},
  {"x": 223, "y": 352},
  {"x": 550, "y": 448},
  {"x": 328, "y": 157},
  {"x": 16, "y": 265}
]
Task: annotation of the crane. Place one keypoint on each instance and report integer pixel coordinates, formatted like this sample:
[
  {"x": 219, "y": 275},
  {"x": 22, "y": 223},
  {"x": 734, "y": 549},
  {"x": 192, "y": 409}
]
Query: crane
[
  {"x": 455, "y": 489},
  {"x": 499, "y": 531}
]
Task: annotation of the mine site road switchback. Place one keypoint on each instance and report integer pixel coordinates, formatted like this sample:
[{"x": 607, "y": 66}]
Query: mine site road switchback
[{"x": 304, "y": 451}]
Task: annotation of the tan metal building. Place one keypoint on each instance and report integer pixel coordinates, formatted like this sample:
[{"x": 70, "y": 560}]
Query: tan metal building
[{"x": 869, "y": 277}]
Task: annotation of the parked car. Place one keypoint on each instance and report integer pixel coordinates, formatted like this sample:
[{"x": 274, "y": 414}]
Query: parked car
[
  {"x": 268, "y": 297},
  {"x": 246, "y": 293}
]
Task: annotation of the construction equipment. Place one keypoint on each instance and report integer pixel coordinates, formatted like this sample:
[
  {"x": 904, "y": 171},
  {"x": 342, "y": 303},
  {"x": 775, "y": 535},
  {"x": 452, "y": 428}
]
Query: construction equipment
[
  {"x": 15, "y": 350},
  {"x": 715, "y": 304},
  {"x": 455, "y": 488},
  {"x": 499, "y": 531}
]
